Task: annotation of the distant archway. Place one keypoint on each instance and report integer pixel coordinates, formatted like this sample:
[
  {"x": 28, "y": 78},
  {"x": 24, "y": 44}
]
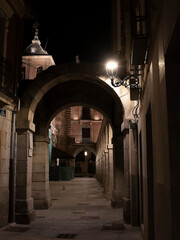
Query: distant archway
[
  {"x": 82, "y": 148},
  {"x": 85, "y": 164}
]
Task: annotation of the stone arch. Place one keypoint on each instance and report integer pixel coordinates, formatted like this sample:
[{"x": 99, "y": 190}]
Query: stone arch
[
  {"x": 79, "y": 92},
  {"x": 61, "y": 85},
  {"x": 64, "y": 74},
  {"x": 80, "y": 149}
]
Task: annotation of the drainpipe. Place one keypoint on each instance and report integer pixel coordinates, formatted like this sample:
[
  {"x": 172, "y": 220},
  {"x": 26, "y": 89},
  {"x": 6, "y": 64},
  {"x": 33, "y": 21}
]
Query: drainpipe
[{"x": 12, "y": 169}]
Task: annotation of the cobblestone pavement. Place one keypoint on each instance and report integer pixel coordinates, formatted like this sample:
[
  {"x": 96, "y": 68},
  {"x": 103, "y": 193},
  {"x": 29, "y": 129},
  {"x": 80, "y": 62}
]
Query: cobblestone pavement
[{"x": 79, "y": 211}]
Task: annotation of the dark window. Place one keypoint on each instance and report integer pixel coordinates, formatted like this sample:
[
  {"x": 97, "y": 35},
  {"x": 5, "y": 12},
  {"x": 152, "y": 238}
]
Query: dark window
[
  {"x": 86, "y": 113},
  {"x": 23, "y": 73},
  {"x": 39, "y": 70},
  {"x": 86, "y": 132},
  {"x": 80, "y": 157}
]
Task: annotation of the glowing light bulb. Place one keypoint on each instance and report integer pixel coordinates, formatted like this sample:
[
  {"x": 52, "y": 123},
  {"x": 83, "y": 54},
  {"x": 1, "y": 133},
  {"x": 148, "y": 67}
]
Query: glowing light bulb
[{"x": 111, "y": 65}]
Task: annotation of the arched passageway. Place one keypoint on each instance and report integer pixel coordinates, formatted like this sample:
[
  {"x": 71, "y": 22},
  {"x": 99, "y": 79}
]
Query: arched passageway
[
  {"x": 52, "y": 91},
  {"x": 85, "y": 164}
]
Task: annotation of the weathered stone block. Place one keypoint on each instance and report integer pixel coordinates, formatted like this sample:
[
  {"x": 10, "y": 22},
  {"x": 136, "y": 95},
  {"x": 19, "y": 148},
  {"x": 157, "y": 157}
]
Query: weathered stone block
[
  {"x": 39, "y": 177},
  {"x": 5, "y": 166},
  {"x": 3, "y": 220},
  {"x": 6, "y": 125},
  {"x": 36, "y": 186},
  {"x": 127, "y": 211},
  {"x": 4, "y": 195},
  {"x": 23, "y": 193},
  {"x": 38, "y": 167},
  {"x": 38, "y": 158},
  {"x": 22, "y": 141},
  {"x": 5, "y": 153},
  {"x": 21, "y": 180},
  {"x": 24, "y": 205},
  {"x": 25, "y": 218},
  {"x": 39, "y": 195},
  {"x": 117, "y": 200},
  {"x": 22, "y": 167},
  {"x": 6, "y": 137},
  {"x": 40, "y": 150},
  {"x": 42, "y": 204},
  {"x": 4, "y": 208},
  {"x": 4, "y": 180},
  {"x": 22, "y": 154}
]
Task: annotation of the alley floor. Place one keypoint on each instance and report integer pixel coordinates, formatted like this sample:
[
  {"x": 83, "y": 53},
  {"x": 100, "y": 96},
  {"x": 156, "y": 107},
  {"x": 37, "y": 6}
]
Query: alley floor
[{"x": 79, "y": 211}]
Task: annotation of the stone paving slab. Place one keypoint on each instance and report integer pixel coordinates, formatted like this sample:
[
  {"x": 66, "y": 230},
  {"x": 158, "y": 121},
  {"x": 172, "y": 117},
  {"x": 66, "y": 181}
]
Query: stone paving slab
[{"x": 79, "y": 207}]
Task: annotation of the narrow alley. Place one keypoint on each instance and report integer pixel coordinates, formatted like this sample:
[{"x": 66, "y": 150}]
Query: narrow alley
[
  {"x": 79, "y": 211},
  {"x": 89, "y": 120}
]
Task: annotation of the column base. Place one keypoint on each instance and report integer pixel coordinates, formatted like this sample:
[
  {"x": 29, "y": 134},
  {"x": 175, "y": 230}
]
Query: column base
[
  {"x": 25, "y": 213},
  {"x": 116, "y": 204},
  {"x": 109, "y": 195},
  {"x": 25, "y": 218},
  {"x": 117, "y": 200},
  {"x": 42, "y": 204},
  {"x": 127, "y": 210}
]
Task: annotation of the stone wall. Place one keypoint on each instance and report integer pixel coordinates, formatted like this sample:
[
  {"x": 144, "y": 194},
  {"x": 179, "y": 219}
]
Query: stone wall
[
  {"x": 159, "y": 207},
  {"x": 5, "y": 142}
]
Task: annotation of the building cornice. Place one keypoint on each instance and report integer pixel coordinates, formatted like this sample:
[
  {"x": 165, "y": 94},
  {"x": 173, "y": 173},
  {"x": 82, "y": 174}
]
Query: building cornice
[
  {"x": 18, "y": 6},
  {"x": 6, "y": 10},
  {"x": 9, "y": 7}
]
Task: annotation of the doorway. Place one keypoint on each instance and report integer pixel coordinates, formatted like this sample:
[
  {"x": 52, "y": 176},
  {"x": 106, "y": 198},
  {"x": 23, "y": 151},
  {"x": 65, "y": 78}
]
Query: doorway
[
  {"x": 85, "y": 164},
  {"x": 150, "y": 174}
]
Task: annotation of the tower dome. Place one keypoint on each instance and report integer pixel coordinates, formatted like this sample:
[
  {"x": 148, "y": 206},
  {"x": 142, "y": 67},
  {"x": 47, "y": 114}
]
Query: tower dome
[
  {"x": 35, "y": 59},
  {"x": 35, "y": 47}
]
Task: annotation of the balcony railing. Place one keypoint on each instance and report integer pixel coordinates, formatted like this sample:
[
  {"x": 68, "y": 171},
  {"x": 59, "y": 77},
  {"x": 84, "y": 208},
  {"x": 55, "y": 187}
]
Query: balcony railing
[{"x": 6, "y": 78}]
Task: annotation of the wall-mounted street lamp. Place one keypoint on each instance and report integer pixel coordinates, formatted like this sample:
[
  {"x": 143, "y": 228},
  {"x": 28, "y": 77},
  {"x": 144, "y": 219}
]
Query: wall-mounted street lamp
[{"x": 131, "y": 81}]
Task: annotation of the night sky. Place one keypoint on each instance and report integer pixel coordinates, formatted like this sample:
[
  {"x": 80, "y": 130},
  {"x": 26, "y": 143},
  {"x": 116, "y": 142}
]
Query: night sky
[{"x": 72, "y": 27}]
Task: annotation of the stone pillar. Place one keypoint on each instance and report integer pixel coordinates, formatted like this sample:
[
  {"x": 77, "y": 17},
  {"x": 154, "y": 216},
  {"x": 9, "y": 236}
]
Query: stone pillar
[
  {"x": 24, "y": 201},
  {"x": 103, "y": 169},
  {"x": 97, "y": 168},
  {"x": 86, "y": 166},
  {"x": 100, "y": 168},
  {"x": 40, "y": 175},
  {"x": 133, "y": 157},
  {"x": 106, "y": 170},
  {"x": 118, "y": 193},
  {"x": 126, "y": 204},
  {"x": 110, "y": 183},
  {"x": 98, "y": 173}
]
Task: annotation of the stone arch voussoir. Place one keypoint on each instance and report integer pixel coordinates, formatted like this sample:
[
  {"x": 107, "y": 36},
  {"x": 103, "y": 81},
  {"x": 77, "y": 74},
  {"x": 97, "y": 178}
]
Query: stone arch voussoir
[{"x": 55, "y": 76}]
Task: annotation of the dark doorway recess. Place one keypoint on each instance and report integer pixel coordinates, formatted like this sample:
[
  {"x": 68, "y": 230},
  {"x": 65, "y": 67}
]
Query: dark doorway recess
[
  {"x": 85, "y": 164},
  {"x": 150, "y": 174},
  {"x": 141, "y": 195}
]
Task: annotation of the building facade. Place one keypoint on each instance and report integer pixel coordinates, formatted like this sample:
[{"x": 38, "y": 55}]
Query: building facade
[
  {"x": 11, "y": 36},
  {"x": 145, "y": 35},
  {"x": 76, "y": 126},
  {"x": 75, "y": 130}
]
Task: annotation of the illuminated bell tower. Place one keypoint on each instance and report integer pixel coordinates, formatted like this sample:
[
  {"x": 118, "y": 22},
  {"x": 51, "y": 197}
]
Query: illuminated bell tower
[{"x": 35, "y": 59}]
